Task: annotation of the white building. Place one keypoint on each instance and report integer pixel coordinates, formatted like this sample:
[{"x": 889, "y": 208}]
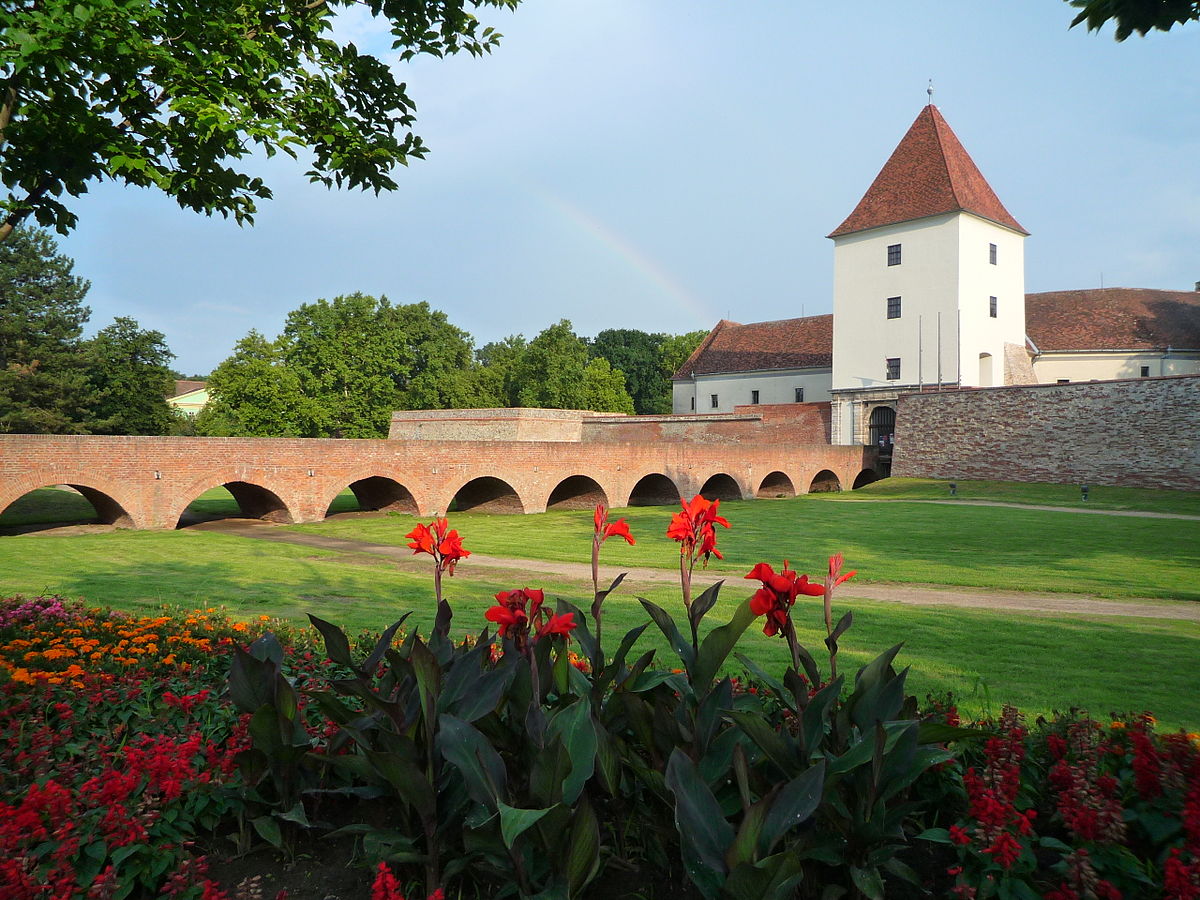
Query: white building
[{"x": 929, "y": 293}]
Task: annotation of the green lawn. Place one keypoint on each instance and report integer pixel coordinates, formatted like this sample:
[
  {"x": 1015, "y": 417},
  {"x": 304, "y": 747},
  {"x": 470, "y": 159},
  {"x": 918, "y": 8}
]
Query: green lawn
[
  {"x": 1069, "y": 495},
  {"x": 895, "y": 541},
  {"x": 1037, "y": 662}
]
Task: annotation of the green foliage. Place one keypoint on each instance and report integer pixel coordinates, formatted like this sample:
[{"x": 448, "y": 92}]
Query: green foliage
[
  {"x": 158, "y": 93},
  {"x": 130, "y": 380},
  {"x": 252, "y": 394},
  {"x": 43, "y": 376},
  {"x": 647, "y": 361},
  {"x": 554, "y": 372},
  {"x": 1142, "y": 16}
]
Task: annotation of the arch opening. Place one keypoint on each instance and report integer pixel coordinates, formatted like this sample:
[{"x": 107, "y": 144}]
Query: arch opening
[
  {"x": 374, "y": 493},
  {"x": 825, "y": 482},
  {"x": 654, "y": 490},
  {"x": 865, "y": 477},
  {"x": 576, "y": 492},
  {"x": 776, "y": 485},
  {"x": 721, "y": 487},
  {"x": 883, "y": 426},
  {"x": 236, "y": 500},
  {"x": 487, "y": 495},
  {"x": 62, "y": 505}
]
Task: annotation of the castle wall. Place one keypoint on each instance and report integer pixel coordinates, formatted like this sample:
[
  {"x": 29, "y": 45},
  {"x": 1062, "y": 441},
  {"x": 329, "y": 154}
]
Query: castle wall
[{"x": 1142, "y": 432}]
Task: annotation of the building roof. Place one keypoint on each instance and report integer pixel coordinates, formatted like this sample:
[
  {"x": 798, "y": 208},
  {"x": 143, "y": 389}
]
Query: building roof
[
  {"x": 929, "y": 173},
  {"x": 782, "y": 344},
  {"x": 1114, "y": 319},
  {"x": 185, "y": 386}
]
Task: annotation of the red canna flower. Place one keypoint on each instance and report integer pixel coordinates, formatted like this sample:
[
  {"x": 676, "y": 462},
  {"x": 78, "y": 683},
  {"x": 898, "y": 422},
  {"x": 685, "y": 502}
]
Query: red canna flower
[
  {"x": 441, "y": 542},
  {"x": 562, "y": 624},
  {"x": 520, "y": 611},
  {"x": 605, "y": 529},
  {"x": 693, "y": 528},
  {"x": 835, "y": 571},
  {"x": 777, "y": 595}
]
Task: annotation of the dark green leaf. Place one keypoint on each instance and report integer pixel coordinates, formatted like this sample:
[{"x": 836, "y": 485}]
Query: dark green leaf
[
  {"x": 702, "y": 604},
  {"x": 703, "y": 832},
  {"x": 337, "y": 646},
  {"x": 514, "y": 822},
  {"x": 794, "y": 805},
  {"x": 583, "y": 851},
  {"x": 667, "y": 626},
  {"x": 574, "y": 726},
  {"x": 719, "y": 643},
  {"x": 867, "y": 881}
]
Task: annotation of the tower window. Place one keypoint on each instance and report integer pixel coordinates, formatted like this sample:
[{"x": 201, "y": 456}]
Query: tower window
[
  {"x": 754, "y": 396},
  {"x": 893, "y": 254},
  {"x": 992, "y": 254},
  {"x": 693, "y": 404},
  {"x": 893, "y": 308},
  {"x": 992, "y": 307},
  {"x": 800, "y": 395},
  {"x": 714, "y": 401},
  {"x": 893, "y": 368},
  {"x": 1145, "y": 372}
]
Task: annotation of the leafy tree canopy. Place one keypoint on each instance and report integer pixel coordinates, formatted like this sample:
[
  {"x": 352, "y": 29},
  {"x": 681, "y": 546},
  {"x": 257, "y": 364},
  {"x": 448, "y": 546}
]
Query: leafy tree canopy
[
  {"x": 1142, "y": 16},
  {"x": 129, "y": 379},
  {"x": 174, "y": 94},
  {"x": 43, "y": 376},
  {"x": 253, "y": 394},
  {"x": 554, "y": 372},
  {"x": 638, "y": 355}
]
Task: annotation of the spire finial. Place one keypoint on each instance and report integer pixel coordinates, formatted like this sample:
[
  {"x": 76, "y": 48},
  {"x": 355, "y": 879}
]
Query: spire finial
[{"x": 929, "y": 91}]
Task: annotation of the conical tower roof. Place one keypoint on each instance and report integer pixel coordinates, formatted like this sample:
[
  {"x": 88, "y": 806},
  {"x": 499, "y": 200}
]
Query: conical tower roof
[{"x": 929, "y": 173}]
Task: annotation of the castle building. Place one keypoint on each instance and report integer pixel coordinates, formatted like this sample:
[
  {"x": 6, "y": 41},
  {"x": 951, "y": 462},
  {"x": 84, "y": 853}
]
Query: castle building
[{"x": 929, "y": 294}]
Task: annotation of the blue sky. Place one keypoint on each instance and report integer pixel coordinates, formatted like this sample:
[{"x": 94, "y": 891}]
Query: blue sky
[{"x": 660, "y": 164}]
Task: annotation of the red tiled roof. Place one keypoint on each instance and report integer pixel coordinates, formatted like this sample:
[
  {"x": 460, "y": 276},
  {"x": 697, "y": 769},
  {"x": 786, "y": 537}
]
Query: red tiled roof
[
  {"x": 783, "y": 344},
  {"x": 929, "y": 173},
  {"x": 1114, "y": 319},
  {"x": 183, "y": 386}
]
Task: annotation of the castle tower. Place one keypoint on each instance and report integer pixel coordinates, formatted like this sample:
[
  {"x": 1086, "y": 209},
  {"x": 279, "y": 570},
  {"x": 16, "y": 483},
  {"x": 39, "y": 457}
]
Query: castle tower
[{"x": 928, "y": 286}]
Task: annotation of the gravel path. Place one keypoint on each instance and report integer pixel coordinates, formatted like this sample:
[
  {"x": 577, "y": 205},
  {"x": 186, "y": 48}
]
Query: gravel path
[{"x": 913, "y": 594}]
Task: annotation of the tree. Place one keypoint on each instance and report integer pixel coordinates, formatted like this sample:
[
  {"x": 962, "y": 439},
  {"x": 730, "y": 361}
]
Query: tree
[
  {"x": 496, "y": 374},
  {"x": 43, "y": 379},
  {"x": 174, "y": 94},
  {"x": 637, "y": 354},
  {"x": 253, "y": 394},
  {"x": 443, "y": 360},
  {"x": 1142, "y": 16},
  {"x": 130, "y": 377},
  {"x": 554, "y": 372}
]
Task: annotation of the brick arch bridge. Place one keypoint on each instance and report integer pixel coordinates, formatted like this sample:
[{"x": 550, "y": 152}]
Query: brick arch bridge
[{"x": 510, "y": 461}]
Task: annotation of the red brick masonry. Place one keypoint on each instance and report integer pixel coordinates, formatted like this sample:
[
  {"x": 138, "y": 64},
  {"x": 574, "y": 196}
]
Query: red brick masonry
[{"x": 146, "y": 482}]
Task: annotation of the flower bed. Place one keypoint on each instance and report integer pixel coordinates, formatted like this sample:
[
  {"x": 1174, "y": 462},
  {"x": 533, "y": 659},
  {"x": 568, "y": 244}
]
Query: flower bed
[{"x": 542, "y": 762}]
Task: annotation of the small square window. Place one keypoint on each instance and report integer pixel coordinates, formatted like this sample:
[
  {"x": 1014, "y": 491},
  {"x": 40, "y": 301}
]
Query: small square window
[
  {"x": 1063, "y": 381},
  {"x": 893, "y": 308},
  {"x": 754, "y": 396},
  {"x": 893, "y": 254},
  {"x": 992, "y": 307},
  {"x": 893, "y": 368},
  {"x": 1145, "y": 371},
  {"x": 992, "y": 254},
  {"x": 799, "y": 395},
  {"x": 714, "y": 401}
]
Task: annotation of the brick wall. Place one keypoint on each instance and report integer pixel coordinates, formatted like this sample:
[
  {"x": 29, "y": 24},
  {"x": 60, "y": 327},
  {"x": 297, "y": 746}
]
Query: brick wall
[
  {"x": 147, "y": 482},
  {"x": 1141, "y": 432}
]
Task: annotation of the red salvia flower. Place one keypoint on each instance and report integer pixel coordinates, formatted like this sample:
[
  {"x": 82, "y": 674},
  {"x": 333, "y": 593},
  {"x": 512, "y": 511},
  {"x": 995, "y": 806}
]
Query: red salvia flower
[{"x": 386, "y": 887}]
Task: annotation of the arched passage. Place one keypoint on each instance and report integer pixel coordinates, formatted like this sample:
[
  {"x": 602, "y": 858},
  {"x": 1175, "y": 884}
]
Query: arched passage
[
  {"x": 576, "y": 492},
  {"x": 776, "y": 485},
  {"x": 376, "y": 493},
  {"x": 654, "y": 490},
  {"x": 52, "y": 505},
  {"x": 823, "y": 482},
  {"x": 249, "y": 501},
  {"x": 865, "y": 477},
  {"x": 489, "y": 495},
  {"x": 721, "y": 487}
]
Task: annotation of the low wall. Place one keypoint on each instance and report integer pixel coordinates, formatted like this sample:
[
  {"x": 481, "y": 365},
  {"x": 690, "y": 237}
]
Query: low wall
[{"x": 1142, "y": 432}]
